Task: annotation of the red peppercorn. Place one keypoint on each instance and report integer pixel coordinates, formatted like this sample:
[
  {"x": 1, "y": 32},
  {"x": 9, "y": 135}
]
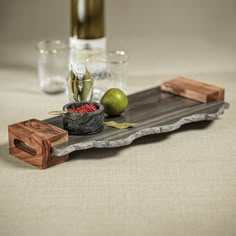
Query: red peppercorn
[{"x": 83, "y": 109}]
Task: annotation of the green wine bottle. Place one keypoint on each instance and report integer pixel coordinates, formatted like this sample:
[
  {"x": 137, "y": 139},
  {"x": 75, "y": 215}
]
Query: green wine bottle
[{"x": 88, "y": 25}]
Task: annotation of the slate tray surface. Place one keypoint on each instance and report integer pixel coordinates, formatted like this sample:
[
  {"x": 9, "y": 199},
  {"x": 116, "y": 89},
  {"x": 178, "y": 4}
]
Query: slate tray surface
[{"x": 154, "y": 111}]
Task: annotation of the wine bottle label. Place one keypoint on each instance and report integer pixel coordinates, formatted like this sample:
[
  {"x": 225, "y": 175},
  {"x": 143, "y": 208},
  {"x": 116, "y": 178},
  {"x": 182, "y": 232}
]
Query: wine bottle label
[
  {"x": 93, "y": 44},
  {"x": 82, "y": 49}
]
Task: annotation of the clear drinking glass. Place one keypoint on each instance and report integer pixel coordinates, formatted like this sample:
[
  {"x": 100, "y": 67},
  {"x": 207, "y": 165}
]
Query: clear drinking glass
[
  {"x": 53, "y": 65},
  {"x": 109, "y": 70}
]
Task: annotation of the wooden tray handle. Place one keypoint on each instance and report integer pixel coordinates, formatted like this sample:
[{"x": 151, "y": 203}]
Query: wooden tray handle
[
  {"x": 25, "y": 147},
  {"x": 32, "y": 140},
  {"x": 193, "y": 89}
]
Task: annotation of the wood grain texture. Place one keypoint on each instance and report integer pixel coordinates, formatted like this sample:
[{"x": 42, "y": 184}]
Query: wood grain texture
[
  {"x": 192, "y": 89},
  {"x": 32, "y": 140},
  {"x": 155, "y": 112}
]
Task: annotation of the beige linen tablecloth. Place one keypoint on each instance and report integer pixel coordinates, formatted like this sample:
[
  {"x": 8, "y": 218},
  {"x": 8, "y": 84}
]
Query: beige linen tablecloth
[{"x": 181, "y": 183}]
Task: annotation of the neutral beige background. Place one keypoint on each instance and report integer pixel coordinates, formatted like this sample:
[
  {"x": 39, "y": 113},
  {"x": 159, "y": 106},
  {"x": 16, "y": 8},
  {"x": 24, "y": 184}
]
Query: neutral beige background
[
  {"x": 165, "y": 36},
  {"x": 181, "y": 184}
]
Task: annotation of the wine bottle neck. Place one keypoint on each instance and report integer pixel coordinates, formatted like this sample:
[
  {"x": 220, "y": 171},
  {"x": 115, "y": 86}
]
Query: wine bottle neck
[{"x": 87, "y": 19}]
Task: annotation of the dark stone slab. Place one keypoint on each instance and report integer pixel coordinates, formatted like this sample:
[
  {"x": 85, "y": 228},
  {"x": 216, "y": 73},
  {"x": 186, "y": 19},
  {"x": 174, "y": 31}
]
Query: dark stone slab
[{"x": 154, "y": 111}]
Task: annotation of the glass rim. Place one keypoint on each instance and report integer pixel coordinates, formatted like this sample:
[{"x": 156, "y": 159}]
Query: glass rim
[
  {"x": 46, "y": 42},
  {"x": 110, "y": 61}
]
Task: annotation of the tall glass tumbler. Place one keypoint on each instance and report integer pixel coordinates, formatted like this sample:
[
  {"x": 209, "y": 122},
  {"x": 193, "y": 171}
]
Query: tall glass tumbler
[
  {"x": 109, "y": 70},
  {"x": 53, "y": 65}
]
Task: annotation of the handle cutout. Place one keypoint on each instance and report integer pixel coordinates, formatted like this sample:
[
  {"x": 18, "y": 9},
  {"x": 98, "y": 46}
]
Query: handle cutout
[{"x": 25, "y": 147}]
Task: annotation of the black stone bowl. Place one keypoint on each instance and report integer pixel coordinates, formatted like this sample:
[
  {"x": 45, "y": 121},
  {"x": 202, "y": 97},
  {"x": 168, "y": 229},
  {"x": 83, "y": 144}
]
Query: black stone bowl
[{"x": 83, "y": 123}]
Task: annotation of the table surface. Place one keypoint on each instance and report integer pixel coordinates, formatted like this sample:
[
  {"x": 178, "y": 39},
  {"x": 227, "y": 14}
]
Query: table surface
[{"x": 180, "y": 183}]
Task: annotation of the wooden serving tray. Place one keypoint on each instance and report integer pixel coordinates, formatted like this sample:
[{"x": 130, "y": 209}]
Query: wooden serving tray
[{"x": 155, "y": 112}]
